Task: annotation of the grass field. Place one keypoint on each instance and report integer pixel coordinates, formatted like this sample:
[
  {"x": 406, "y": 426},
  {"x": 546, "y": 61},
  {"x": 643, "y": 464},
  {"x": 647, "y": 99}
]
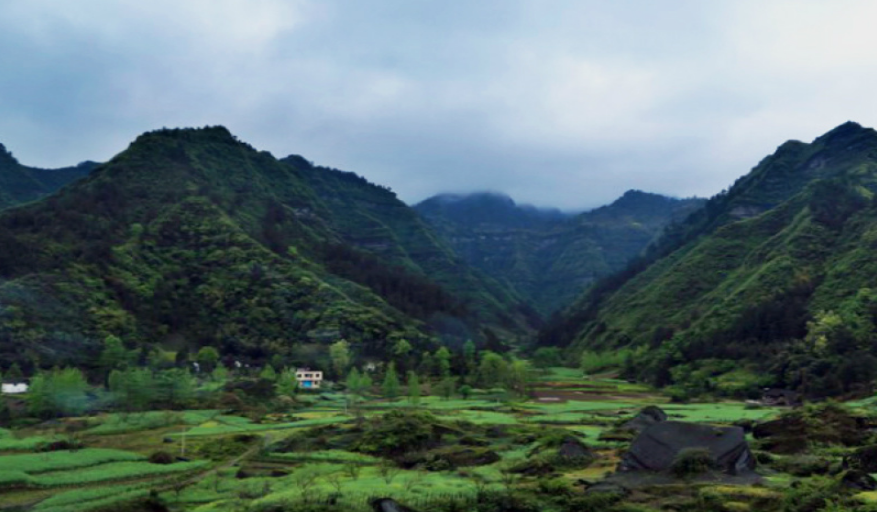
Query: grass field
[
  {"x": 113, "y": 471},
  {"x": 98, "y": 478},
  {"x": 32, "y": 463}
]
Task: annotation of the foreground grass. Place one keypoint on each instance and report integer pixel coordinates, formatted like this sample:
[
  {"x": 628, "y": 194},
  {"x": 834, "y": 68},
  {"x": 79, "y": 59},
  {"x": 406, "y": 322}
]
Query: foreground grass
[
  {"x": 32, "y": 463},
  {"x": 113, "y": 471},
  {"x": 119, "y": 423}
]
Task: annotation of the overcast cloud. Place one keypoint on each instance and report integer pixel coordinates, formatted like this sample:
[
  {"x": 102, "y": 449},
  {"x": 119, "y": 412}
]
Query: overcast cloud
[{"x": 557, "y": 103}]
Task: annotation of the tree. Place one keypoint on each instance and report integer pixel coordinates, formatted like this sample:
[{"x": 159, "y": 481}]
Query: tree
[
  {"x": 547, "y": 357},
  {"x": 182, "y": 357},
  {"x": 207, "y": 358},
  {"x": 390, "y": 386},
  {"x": 219, "y": 374},
  {"x": 446, "y": 388},
  {"x": 469, "y": 352},
  {"x": 402, "y": 354},
  {"x": 401, "y": 348},
  {"x": 365, "y": 383},
  {"x": 492, "y": 370},
  {"x": 443, "y": 362},
  {"x": 174, "y": 387},
  {"x": 413, "y": 388},
  {"x": 465, "y": 391},
  {"x": 339, "y": 352},
  {"x": 286, "y": 384},
  {"x": 268, "y": 373},
  {"x": 427, "y": 364},
  {"x": 113, "y": 355},
  {"x": 355, "y": 387},
  {"x": 354, "y": 381},
  {"x": 58, "y": 392},
  {"x": 519, "y": 377},
  {"x": 14, "y": 374}
]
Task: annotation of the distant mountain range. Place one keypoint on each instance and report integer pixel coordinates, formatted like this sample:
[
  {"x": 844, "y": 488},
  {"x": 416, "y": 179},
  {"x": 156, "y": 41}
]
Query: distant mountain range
[
  {"x": 773, "y": 283},
  {"x": 548, "y": 256},
  {"x": 191, "y": 237}
]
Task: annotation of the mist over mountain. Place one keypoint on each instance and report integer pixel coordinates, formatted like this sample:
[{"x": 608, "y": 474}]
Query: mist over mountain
[{"x": 547, "y": 255}]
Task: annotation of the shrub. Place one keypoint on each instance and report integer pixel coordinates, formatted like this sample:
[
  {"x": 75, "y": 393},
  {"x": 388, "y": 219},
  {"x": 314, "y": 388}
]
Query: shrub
[
  {"x": 398, "y": 432},
  {"x": 161, "y": 457},
  {"x": 692, "y": 461}
]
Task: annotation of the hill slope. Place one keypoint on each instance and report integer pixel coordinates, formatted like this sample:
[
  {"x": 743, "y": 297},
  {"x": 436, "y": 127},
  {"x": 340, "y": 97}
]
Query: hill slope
[
  {"x": 191, "y": 237},
  {"x": 774, "y": 277},
  {"x": 20, "y": 184},
  {"x": 548, "y": 256}
]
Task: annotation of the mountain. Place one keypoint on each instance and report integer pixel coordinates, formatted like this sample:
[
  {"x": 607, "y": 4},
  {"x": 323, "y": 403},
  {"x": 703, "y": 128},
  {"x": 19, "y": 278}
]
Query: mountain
[
  {"x": 772, "y": 283},
  {"x": 191, "y": 237},
  {"x": 548, "y": 256},
  {"x": 371, "y": 218},
  {"x": 20, "y": 184}
]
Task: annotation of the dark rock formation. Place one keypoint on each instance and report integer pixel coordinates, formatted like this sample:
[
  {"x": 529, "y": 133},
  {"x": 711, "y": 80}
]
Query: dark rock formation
[{"x": 658, "y": 446}]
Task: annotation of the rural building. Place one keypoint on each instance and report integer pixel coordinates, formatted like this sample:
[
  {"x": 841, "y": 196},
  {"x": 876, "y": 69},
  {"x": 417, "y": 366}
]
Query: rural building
[
  {"x": 13, "y": 388},
  {"x": 308, "y": 379}
]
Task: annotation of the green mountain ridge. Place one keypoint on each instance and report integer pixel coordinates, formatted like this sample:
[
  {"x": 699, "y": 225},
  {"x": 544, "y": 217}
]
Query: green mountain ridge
[
  {"x": 21, "y": 184},
  {"x": 191, "y": 238},
  {"x": 549, "y": 257},
  {"x": 772, "y": 279}
]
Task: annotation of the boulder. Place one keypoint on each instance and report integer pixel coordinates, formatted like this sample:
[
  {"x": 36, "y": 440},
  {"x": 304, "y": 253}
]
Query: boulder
[
  {"x": 647, "y": 417},
  {"x": 608, "y": 489},
  {"x": 659, "y": 445},
  {"x": 782, "y": 397},
  {"x": 864, "y": 459},
  {"x": 388, "y": 505},
  {"x": 858, "y": 481},
  {"x": 644, "y": 419},
  {"x": 572, "y": 449}
]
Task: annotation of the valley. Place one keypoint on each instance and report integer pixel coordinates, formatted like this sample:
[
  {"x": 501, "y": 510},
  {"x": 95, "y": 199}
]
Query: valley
[{"x": 196, "y": 325}]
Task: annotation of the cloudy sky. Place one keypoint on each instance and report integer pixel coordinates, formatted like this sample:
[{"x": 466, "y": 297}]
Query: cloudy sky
[{"x": 557, "y": 103}]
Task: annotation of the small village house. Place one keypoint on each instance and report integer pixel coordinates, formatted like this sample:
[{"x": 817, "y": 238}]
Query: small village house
[
  {"x": 13, "y": 388},
  {"x": 308, "y": 379}
]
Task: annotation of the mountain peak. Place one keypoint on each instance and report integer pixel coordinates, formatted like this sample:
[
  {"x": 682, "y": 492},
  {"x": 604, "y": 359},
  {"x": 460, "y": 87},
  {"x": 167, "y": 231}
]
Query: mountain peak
[
  {"x": 846, "y": 133},
  {"x": 214, "y": 134},
  {"x": 6, "y": 156}
]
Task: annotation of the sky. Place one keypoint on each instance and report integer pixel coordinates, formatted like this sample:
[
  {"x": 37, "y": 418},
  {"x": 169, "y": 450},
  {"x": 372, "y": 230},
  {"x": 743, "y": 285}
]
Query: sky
[{"x": 556, "y": 103}]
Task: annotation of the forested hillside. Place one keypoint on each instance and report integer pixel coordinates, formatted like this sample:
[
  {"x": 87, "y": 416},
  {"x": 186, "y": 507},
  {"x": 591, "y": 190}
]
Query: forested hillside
[
  {"x": 191, "y": 238},
  {"x": 772, "y": 283},
  {"x": 19, "y": 183},
  {"x": 548, "y": 256}
]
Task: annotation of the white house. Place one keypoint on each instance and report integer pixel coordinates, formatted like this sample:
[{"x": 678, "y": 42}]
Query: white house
[
  {"x": 308, "y": 379},
  {"x": 13, "y": 388}
]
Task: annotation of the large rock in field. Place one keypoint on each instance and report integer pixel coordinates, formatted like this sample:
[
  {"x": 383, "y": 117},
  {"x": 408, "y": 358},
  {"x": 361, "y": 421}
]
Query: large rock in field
[
  {"x": 647, "y": 417},
  {"x": 389, "y": 505},
  {"x": 659, "y": 445},
  {"x": 857, "y": 480},
  {"x": 864, "y": 459},
  {"x": 572, "y": 450}
]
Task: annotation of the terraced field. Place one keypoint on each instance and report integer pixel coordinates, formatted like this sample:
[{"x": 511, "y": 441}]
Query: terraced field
[{"x": 94, "y": 478}]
